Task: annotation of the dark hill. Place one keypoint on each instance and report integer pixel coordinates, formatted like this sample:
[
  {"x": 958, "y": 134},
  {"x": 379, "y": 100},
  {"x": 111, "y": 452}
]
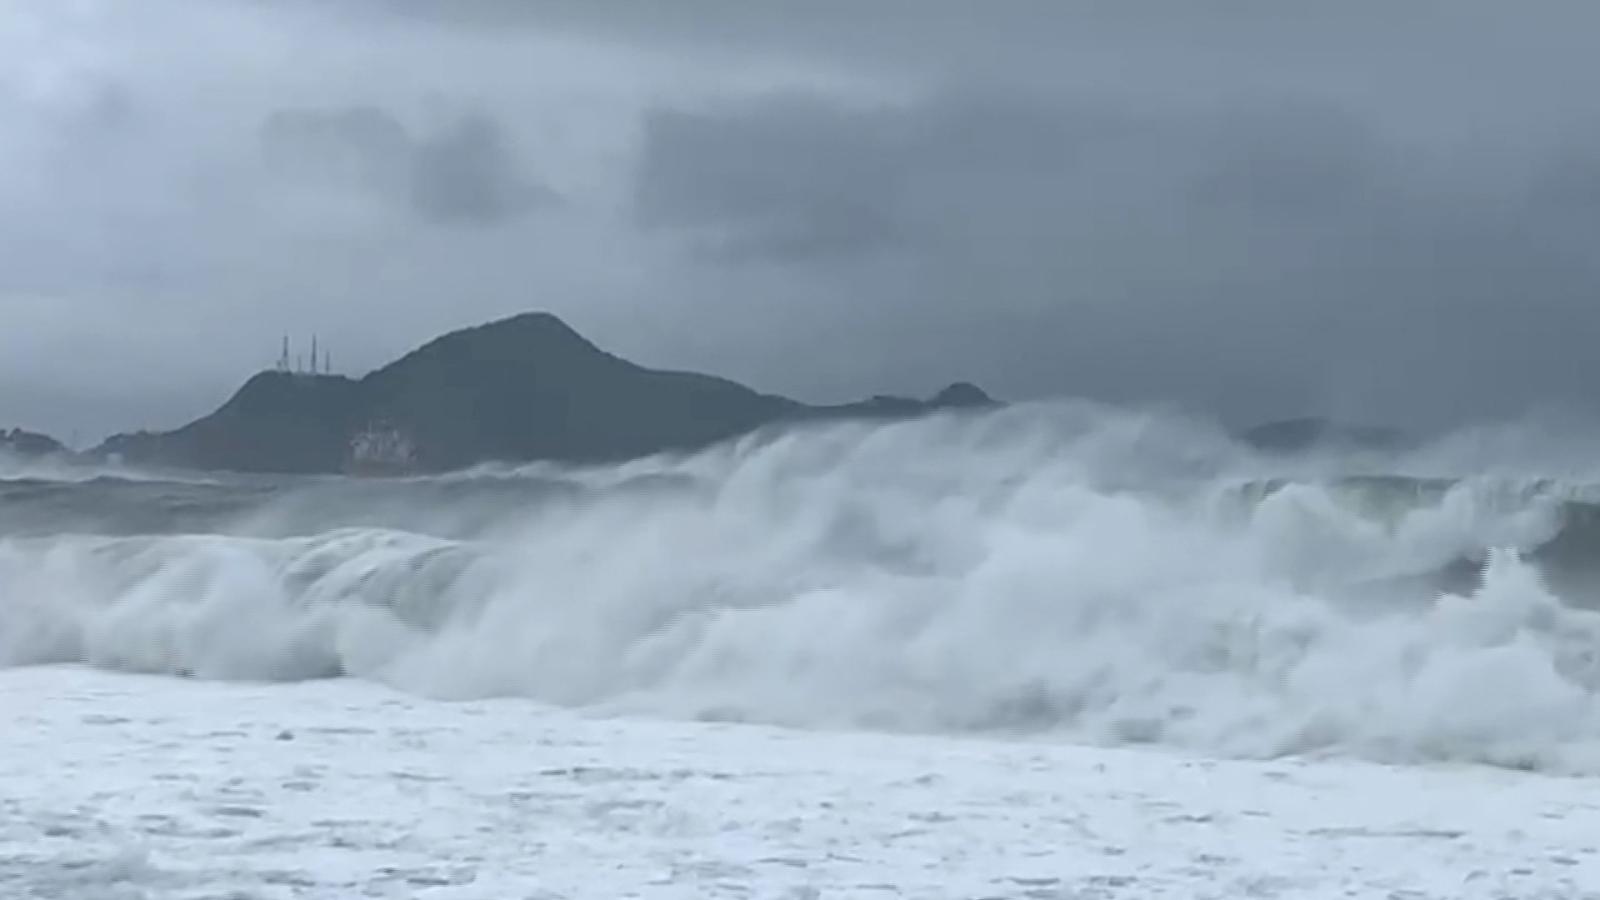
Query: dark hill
[
  {"x": 17, "y": 442},
  {"x": 521, "y": 389},
  {"x": 277, "y": 422},
  {"x": 532, "y": 388}
]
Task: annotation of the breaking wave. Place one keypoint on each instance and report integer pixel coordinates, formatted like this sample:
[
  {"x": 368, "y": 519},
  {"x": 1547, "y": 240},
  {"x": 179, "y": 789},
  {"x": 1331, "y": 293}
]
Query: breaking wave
[{"x": 1101, "y": 576}]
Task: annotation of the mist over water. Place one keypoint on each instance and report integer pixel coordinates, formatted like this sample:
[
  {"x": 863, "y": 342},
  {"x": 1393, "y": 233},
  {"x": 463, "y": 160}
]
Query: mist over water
[{"x": 1093, "y": 574}]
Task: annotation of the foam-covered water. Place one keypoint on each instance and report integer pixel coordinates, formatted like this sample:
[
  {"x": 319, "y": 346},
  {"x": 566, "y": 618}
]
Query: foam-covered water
[{"x": 1103, "y": 576}]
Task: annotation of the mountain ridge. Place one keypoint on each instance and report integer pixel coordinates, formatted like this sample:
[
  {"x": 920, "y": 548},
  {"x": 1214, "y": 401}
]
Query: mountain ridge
[{"x": 520, "y": 389}]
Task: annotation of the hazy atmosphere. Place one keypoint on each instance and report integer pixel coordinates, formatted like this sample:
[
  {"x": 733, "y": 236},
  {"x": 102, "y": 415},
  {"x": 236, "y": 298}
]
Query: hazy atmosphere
[
  {"x": 1358, "y": 210},
  {"x": 669, "y": 540}
]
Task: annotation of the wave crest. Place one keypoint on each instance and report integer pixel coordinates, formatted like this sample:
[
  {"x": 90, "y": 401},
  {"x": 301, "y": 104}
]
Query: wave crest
[{"x": 1095, "y": 582}]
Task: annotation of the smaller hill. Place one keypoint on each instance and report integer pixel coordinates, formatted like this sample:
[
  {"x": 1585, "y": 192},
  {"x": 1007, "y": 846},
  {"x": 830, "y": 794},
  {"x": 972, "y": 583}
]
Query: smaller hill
[{"x": 30, "y": 444}]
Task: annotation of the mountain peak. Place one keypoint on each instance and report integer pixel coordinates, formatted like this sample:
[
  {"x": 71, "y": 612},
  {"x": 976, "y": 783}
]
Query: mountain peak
[
  {"x": 525, "y": 387},
  {"x": 962, "y": 394},
  {"x": 545, "y": 327},
  {"x": 526, "y": 336}
]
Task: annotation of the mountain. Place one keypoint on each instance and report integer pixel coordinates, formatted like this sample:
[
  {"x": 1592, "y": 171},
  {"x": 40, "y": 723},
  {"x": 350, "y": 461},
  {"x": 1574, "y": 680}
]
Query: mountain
[
  {"x": 520, "y": 389},
  {"x": 17, "y": 442}
]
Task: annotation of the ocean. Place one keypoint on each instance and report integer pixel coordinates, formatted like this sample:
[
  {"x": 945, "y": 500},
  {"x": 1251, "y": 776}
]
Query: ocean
[{"x": 1047, "y": 651}]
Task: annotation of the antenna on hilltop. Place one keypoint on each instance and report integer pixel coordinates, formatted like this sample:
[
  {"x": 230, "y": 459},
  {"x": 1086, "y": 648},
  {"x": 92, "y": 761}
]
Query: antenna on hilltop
[{"x": 320, "y": 361}]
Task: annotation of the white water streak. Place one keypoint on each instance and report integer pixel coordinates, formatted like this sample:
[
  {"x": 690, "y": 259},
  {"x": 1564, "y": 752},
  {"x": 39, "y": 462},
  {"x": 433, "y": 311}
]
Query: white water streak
[{"x": 1103, "y": 578}]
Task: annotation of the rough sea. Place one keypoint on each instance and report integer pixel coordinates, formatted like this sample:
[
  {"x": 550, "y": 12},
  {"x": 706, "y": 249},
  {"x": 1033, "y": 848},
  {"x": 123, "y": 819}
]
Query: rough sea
[{"x": 1049, "y": 651}]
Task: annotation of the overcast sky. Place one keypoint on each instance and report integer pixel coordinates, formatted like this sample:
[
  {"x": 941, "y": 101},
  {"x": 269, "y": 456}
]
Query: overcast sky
[{"x": 1376, "y": 211}]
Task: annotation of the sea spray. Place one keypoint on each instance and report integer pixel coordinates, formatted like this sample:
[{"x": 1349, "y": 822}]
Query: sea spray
[{"x": 1094, "y": 576}]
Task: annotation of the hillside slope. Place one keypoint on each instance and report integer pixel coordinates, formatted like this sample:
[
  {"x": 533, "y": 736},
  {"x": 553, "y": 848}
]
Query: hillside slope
[{"x": 519, "y": 389}]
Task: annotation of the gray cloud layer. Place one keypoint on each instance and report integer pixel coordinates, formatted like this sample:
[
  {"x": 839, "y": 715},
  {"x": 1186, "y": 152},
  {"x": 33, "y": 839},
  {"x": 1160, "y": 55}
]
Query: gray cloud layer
[
  {"x": 1276, "y": 254},
  {"x": 463, "y": 174},
  {"x": 1378, "y": 213}
]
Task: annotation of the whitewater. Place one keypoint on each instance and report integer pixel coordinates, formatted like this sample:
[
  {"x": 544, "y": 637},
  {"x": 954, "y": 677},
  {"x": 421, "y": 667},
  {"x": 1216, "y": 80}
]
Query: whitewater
[{"x": 1048, "y": 651}]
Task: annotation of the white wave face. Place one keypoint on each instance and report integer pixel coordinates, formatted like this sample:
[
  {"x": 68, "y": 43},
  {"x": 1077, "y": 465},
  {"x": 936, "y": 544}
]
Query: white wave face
[
  {"x": 73, "y": 470},
  {"x": 1093, "y": 575}
]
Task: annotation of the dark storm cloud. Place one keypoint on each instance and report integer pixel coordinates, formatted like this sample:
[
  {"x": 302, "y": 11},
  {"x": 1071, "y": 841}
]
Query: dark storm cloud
[
  {"x": 1569, "y": 187},
  {"x": 790, "y": 179},
  {"x": 466, "y": 175},
  {"x": 1374, "y": 48},
  {"x": 363, "y": 145},
  {"x": 463, "y": 173},
  {"x": 1364, "y": 209},
  {"x": 1265, "y": 255},
  {"x": 1288, "y": 161},
  {"x": 859, "y": 179}
]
